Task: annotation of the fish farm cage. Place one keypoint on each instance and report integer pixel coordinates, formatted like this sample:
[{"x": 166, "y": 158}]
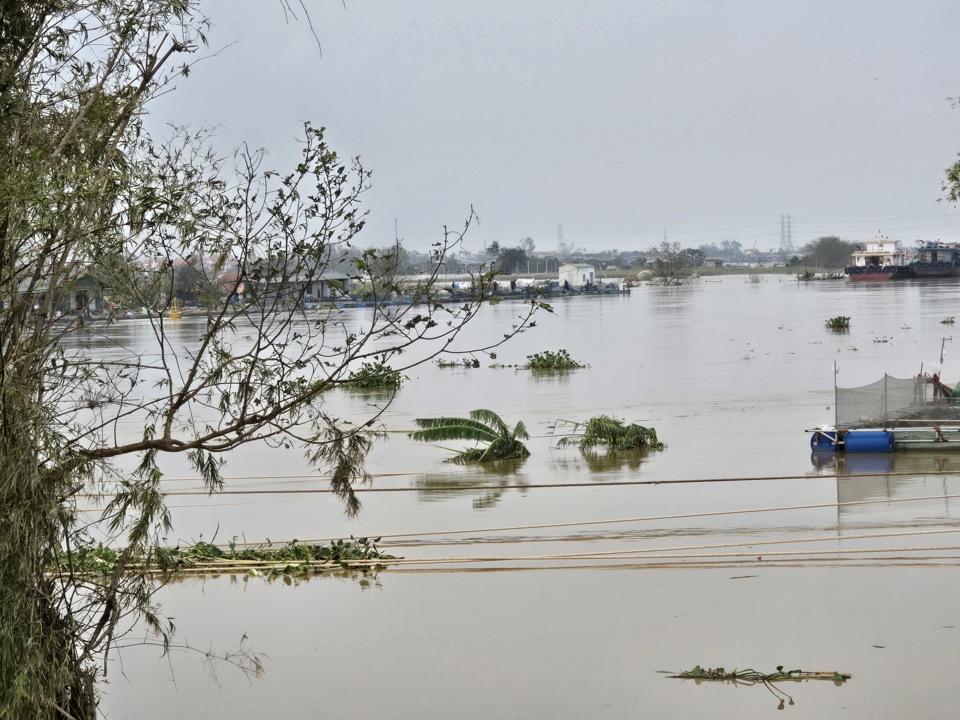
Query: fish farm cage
[{"x": 920, "y": 413}]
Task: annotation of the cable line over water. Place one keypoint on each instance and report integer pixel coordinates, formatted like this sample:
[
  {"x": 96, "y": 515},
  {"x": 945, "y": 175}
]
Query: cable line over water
[{"x": 534, "y": 486}]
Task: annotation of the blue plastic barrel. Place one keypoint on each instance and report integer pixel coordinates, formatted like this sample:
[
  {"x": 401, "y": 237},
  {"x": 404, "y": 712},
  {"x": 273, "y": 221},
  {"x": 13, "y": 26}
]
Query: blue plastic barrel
[
  {"x": 823, "y": 440},
  {"x": 862, "y": 441}
]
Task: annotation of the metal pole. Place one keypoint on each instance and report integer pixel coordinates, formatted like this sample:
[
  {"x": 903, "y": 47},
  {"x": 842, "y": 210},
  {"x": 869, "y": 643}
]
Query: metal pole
[{"x": 836, "y": 410}]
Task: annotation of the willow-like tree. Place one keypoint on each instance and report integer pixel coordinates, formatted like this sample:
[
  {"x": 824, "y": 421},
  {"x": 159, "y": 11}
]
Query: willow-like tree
[
  {"x": 88, "y": 199},
  {"x": 829, "y": 252},
  {"x": 498, "y": 441},
  {"x": 671, "y": 263}
]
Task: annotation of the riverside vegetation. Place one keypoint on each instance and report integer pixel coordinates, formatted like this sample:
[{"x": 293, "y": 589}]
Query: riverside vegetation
[
  {"x": 89, "y": 199},
  {"x": 100, "y": 561}
]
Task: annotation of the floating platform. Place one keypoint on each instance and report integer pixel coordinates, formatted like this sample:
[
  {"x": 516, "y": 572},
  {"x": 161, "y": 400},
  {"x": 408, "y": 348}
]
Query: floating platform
[
  {"x": 873, "y": 440},
  {"x": 916, "y": 413}
]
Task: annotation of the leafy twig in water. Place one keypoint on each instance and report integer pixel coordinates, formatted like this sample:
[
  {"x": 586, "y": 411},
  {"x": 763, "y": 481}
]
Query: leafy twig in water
[{"x": 752, "y": 677}]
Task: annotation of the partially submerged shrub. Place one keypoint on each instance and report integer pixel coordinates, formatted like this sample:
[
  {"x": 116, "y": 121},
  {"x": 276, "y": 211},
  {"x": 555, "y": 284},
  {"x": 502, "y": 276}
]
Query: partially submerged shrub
[
  {"x": 615, "y": 435},
  {"x": 463, "y": 362},
  {"x": 483, "y": 426},
  {"x": 549, "y": 360},
  {"x": 841, "y": 322},
  {"x": 373, "y": 375}
]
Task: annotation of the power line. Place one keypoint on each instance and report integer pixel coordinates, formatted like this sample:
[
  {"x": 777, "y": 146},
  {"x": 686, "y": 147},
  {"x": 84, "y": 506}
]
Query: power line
[
  {"x": 874, "y": 221},
  {"x": 529, "y": 486}
]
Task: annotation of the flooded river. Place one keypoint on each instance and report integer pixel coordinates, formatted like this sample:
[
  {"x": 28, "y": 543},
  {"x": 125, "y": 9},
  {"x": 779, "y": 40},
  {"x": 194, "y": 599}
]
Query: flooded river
[{"x": 557, "y": 588}]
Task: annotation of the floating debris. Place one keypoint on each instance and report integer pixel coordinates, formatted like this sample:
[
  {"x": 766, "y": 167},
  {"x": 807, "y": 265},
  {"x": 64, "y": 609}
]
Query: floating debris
[
  {"x": 841, "y": 323},
  {"x": 752, "y": 677}
]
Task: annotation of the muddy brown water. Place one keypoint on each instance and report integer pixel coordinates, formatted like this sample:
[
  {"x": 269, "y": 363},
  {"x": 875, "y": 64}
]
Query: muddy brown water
[{"x": 730, "y": 374}]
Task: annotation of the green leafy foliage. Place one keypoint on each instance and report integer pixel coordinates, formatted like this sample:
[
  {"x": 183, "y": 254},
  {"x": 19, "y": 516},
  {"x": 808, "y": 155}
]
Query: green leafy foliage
[
  {"x": 616, "y": 435},
  {"x": 550, "y": 360},
  {"x": 672, "y": 264},
  {"x": 483, "y": 426},
  {"x": 91, "y": 204},
  {"x": 377, "y": 374},
  {"x": 95, "y": 560},
  {"x": 100, "y": 561},
  {"x": 841, "y": 322}
]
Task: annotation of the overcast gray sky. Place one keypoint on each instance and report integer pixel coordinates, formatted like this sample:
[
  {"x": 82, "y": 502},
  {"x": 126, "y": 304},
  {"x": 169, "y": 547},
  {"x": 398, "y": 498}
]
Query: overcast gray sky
[{"x": 617, "y": 119}]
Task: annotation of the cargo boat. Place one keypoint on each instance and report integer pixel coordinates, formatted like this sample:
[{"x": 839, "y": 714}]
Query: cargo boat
[
  {"x": 936, "y": 259},
  {"x": 880, "y": 260}
]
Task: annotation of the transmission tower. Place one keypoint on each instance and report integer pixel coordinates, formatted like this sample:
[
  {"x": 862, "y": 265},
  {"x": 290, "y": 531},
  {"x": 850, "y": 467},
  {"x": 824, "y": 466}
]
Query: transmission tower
[
  {"x": 786, "y": 234},
  {"x": 561, "y": 245}
]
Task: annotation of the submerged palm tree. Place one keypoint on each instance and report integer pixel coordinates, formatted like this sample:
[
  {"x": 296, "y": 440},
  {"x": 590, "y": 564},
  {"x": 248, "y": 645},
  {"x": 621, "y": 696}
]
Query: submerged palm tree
[
  {"x": 615, "y": 435},
  {"x": 483, "y": 426}
]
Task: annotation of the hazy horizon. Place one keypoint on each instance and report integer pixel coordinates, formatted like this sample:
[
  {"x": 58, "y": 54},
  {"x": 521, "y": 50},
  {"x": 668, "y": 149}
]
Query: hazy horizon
[{"x": 620, "y": 121}]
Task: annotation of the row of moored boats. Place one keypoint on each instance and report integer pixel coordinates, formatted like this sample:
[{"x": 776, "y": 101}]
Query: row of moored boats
[{"x": 885, "y": 259}]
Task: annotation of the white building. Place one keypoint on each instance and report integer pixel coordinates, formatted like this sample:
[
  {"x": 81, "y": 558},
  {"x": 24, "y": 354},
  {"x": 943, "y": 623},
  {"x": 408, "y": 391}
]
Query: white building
[{"x": 577, "y": 274}]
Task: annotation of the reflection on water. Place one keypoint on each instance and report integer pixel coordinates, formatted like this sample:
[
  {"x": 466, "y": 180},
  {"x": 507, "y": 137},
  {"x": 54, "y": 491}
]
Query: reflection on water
[
  {"x": 364, "y": 579},
  {"x": 922, "y": 487},
  {"x": 730, "y": 374},
  {"x": 496, "y": 476},
  {"x": 544, "y": 379},
  {"x": 911, "y": 462},
  {"x": 598, "y": 461}
]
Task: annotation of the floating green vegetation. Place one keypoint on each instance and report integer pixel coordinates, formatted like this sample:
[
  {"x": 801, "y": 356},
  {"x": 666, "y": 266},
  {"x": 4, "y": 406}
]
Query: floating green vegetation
[
  {"x": 549, "y": 360},
  {"x": 96, "y": 560},
  {"x": 947, "y": 321},
  {"x": 752, "y": 677},
  {"x": 462, "y": 363},
  {"x": 202, "y": 557},
  {"x": 613, "y": 434},
  {"x": 483, "y": 426},
  {"x": 373, "y": 375},
  {"x": 840, "y": 322}
]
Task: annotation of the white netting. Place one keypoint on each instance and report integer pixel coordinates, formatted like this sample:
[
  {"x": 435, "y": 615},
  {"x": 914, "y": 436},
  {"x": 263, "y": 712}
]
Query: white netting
[{"x": 895, "y": 402}]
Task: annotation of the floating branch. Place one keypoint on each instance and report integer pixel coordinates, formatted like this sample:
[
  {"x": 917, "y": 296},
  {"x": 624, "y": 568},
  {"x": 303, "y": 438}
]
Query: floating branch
[{"x": 752, "y": 677}]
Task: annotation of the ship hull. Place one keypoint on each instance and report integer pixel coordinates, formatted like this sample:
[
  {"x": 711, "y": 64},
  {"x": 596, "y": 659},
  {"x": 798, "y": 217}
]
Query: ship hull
[{"x": 877, "y": 273}]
